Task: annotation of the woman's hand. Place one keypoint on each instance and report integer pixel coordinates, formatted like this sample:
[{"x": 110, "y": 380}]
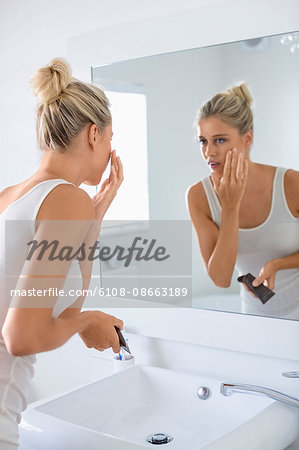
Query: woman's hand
[
  {"x": 267, "y": 275},
  {"x": 104, "y": 197},
  {"x": 101, "y": 333},
  {"x": 230, "y": 187}
]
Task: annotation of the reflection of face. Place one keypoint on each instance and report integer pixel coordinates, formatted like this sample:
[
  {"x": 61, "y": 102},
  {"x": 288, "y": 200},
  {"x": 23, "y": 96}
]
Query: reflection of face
[{"x": 216, "y": 139}]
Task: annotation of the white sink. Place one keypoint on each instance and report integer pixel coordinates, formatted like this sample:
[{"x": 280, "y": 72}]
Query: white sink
[{"x": 120, "y": 411}]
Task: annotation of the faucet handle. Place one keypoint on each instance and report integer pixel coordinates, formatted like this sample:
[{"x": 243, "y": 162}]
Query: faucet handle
[{"x": 292, "y": 374}]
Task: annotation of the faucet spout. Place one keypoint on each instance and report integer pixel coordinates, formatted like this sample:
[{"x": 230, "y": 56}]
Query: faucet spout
[
  {"x": 292, "y": 374},
  {"x": 229, "y": 388}
]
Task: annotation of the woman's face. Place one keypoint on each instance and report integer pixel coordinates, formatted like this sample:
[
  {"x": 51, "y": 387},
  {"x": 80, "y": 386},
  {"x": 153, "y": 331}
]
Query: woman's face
[{"x": 216, "y": 138}]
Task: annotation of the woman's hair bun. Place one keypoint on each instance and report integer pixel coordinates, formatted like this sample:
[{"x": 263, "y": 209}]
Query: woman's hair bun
[
  {"x": 242, "y": 91},
  {"x": 49, "y": 82}
]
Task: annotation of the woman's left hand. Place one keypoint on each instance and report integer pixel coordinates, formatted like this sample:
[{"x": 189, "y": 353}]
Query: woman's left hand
[
  {"x": 267, "y": 275},
  {"x": 108, "y": 190}
]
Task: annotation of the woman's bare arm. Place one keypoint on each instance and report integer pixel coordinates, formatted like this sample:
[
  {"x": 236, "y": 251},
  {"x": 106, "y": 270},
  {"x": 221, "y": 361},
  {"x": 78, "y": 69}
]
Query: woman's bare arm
[
  {"x": 219, "y": 246},
  {"x": 31, "y": 328}
]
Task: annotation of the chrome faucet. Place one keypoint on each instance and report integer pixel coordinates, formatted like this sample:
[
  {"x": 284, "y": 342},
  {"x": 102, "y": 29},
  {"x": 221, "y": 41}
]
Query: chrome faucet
[
  {"x": 292, "y": 374},
  {"x": 228, "y": 389}
]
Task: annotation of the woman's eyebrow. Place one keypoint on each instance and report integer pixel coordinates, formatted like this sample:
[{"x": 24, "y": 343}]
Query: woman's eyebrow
[{"x": 215, "y": 135}]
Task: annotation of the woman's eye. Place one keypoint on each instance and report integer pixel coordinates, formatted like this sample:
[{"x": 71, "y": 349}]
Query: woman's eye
[
  {"x": 201, "y": 141},
  {"x": 219, "y": 140}
]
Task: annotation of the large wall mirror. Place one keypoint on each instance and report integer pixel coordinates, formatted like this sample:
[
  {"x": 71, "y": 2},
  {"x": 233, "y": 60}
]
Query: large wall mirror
[{"x": 154, "y": 104}]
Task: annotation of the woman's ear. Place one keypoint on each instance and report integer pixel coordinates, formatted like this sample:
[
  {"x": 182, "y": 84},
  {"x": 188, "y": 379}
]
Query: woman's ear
[
  {"x": 248, "y": 138},
  {"x": 93, "y": 135}
]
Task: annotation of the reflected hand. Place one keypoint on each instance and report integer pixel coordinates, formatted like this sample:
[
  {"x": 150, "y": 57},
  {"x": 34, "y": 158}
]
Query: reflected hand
[
  {"x": 101, "y": 333},
  {"x": 108, "y": 190},
  {"x": 267, "y": 275},
  {"x": 230, "y": 187}
]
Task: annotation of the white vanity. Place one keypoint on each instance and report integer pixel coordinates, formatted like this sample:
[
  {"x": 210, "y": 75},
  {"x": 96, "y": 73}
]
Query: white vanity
[{"x": 144, "y": 406}]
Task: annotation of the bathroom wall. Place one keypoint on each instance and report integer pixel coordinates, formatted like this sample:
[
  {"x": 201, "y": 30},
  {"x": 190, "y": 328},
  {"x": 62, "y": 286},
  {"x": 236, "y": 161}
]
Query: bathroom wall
[{"x": 30, "y": 35}]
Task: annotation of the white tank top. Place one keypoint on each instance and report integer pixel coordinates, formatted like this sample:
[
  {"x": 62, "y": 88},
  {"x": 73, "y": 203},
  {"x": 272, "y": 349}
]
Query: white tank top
[
  {"x": 16, "y": 371},
  {"x": 276, "y": 237}
]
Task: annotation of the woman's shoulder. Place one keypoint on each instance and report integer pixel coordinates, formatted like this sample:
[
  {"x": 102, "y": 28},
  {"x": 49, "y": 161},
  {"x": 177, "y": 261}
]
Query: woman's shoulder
[
  {"x": 292, "y": 176},
  {"x": 196, "y": 197},
  {"x": 291, "y": 189},
  {"x": 8, "y": 191},
  {"x": 66, "y": 202},
  {"x": 7, "y": 196},
  {"x": 195, "y": 190}
]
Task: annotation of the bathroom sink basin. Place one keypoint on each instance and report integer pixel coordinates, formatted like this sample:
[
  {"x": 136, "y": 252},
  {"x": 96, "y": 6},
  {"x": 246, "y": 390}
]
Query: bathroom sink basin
[{"x": 122, "y": 410}]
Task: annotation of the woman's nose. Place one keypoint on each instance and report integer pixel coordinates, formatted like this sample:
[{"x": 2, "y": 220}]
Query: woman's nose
[{"x": 209, "y": 150}]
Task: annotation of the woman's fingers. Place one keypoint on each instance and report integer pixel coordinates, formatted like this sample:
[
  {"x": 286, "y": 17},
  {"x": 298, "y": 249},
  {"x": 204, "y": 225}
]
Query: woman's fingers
[
  {"x": 104, "y": 184},
  {"x": 227, "y": 166},
  {"x": 113, "y": 176},
  {"x": 118, "y": 323},
  {"x": 237, "y": 166},
  {"x": 240, "y": 167},
  {"x": 120, "y": 169},
  {"x": 271, "y": 283},
  {"x": 233, "y": 165},
  {"x": 115, "y": 345},
  {"x": 258, "y": 280},
  {"x": 232, "y": 183},
  {"x": 113, "y": 156}
]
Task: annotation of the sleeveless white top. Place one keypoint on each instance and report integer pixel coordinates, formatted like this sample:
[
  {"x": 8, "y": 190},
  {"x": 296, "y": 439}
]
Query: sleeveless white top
[
  {"x": 16, "y": 371},
  {"x": 276, "y": 237}
]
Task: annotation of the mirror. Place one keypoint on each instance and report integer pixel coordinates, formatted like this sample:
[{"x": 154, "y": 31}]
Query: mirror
[{"x": 173, "y": 86}]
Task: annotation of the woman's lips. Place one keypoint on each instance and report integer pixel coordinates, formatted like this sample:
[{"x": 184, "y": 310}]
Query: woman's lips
[{"x": 213, "y": 164}]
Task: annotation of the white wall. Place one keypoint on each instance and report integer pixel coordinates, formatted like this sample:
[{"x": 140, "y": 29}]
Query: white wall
[{"x": 32, "y": 32}]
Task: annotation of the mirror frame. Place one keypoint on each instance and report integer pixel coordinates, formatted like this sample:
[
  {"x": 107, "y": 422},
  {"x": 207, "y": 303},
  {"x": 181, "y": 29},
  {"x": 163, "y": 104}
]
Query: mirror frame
[{"x": 219, "y": 24}]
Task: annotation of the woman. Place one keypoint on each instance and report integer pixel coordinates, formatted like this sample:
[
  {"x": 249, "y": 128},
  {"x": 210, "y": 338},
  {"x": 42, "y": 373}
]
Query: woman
[
  {"x": 74, "y": 131},
  {"x": 245, "y": 214}
]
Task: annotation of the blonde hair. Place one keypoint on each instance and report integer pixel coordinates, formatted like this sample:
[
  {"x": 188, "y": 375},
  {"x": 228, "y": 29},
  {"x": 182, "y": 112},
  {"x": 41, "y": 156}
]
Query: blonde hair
[
  {"x": 65, "y": 105},
  {"x": 233, "y": 106}
]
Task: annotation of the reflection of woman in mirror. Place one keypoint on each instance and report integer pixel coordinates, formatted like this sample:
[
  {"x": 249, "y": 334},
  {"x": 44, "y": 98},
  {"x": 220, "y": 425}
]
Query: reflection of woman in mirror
[
  {"x": 245, "y": 214},
  {"x": 74, "y": 131}
]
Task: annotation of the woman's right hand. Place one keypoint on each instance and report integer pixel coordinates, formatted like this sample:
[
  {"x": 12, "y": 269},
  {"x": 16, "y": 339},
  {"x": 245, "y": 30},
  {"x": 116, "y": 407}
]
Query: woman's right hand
[
  {"x": 108, "y": 190},
  {"x": 101, "y": 334},
  {"x": 230, "y": 187}
]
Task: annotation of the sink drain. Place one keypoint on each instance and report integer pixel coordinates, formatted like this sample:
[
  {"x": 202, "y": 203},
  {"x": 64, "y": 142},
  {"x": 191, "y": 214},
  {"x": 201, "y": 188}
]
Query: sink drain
[{"x": 159, "y": 439}]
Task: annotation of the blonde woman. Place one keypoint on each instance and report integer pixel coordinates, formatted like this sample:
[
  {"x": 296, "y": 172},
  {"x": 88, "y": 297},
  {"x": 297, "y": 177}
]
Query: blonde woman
[
  {"x": 245, "y": 214},
  {"x": 74, "y": 131}
]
